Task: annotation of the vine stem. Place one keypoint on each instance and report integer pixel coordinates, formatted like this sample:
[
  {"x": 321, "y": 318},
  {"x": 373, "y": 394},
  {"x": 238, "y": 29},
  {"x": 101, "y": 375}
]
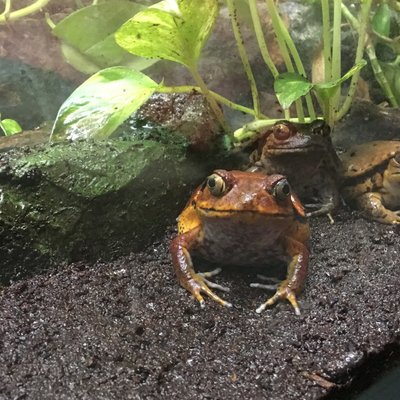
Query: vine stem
[
  {"x": 23, "y": 12},
  {"x": 260, "y": 38},
  {"x": 243, "y": 55},
  {"x": 327, "y": 41},
  {"x": 284, "y": 50},
  {"x": 220, "y": 99},
  {"x": 251, "y": 129},
  {"x": 336, "y": 59},
  {"x": 213, "y": 104},
  {"x": 370, "y": 50},
  {"x": 262, "y": 44},
  {"x": 362, "y": 30}
]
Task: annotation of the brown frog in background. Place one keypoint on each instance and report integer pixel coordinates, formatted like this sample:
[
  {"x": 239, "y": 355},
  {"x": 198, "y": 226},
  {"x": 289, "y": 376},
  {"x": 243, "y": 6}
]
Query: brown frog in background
[
  {"x": 305, "y": 154},
  {"x": 243, "y": 219},
  {"x": 371, "y": 179}
]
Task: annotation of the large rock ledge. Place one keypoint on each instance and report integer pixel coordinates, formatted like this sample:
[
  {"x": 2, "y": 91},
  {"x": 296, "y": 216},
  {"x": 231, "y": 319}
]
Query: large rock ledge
[
  {"x": 126, "y": 330},
  {"x": 88, "y": 201}
]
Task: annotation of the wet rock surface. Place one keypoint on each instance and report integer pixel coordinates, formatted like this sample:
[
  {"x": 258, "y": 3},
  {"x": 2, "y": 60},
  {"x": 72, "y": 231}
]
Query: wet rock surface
[{"x": 126, "y": 330}]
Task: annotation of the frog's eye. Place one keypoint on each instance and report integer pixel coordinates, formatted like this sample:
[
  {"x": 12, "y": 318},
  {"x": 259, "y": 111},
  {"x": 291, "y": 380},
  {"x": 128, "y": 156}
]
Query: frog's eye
[
  {"x": 216, "y": 185},
  {"x": 281, "y": 189},
  {"x": 281, "y": 131}
]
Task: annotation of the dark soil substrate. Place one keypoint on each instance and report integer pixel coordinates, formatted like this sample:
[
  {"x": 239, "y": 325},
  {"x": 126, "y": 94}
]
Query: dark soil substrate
[{"x": 126, "y": 330}]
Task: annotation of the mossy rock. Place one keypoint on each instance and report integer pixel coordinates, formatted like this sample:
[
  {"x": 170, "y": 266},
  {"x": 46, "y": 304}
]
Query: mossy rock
[{"x": 88, "y": 201}]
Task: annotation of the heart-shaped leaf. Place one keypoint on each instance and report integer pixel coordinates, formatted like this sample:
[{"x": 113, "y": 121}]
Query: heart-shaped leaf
[
  {"x": 87, "y": 36},
  {"x": 289, "y": 87},
  {"x": 97, "y": 107},
  {"x": 173, "y": 30}
]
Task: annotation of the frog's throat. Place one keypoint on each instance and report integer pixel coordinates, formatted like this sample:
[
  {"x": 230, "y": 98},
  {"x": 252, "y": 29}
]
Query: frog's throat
[{"x": 211, "y": 212}]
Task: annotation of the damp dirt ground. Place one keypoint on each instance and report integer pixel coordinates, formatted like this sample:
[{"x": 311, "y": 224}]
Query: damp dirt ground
[{"x": 126, "y": 330}]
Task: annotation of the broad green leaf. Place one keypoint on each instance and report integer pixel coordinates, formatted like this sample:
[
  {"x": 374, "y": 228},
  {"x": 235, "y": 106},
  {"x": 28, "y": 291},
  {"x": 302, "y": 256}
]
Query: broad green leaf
[
  {"x": 97, "y": 107},
  {"x": 381, "y": 20},
  {"x": 88, "y": 36},
  {"x": 10, "y": 127},
  {"x": 392, "y": 74},
  {"x": 327, "y": 90},
  {"x": 289, "y": 87},
  {"x": 173, "y": 33}
]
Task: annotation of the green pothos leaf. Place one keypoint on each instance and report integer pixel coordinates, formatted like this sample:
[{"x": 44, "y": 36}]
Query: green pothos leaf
[
  {"x": 289, "y": 87},
  {"x": 97, "y": 107},
  {"x": 175, "y": 31}
]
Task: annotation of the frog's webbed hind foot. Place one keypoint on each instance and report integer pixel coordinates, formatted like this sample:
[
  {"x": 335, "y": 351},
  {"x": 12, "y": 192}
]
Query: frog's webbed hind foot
[
  {"x": 283, "y": 293},
  {"x": 371, "y": 204},
  {"x": 200, "y": 284}
]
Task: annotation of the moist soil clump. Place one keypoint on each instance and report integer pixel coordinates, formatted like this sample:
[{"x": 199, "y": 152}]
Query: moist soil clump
[{"x": 126, "y": 330}]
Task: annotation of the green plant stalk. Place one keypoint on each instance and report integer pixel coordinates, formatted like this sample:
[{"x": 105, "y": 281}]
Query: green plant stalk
[
  {"x": 262, "y": 44},
  {"x": 284, "y": 51},
  {"x": 362, "y": 30},
  {"x": 260, "y": 38},
  {"x": 220, "y": 99},
  {"x": 326, "y": 32},
  {"x": 213, "y": 104},
  {"x": 297, "y": 60},
  {"x": 251, "y": 129},
  {"x": 243, "y": 56},
  {"x": 7, "y": 9},
  {"x": 370, "y": 50},
  {"x": 23, "y": 12},
  {"x": 49, "y": 21},
  {"x": 336, "y": 60},
  {"x": 380, "y": 76}
]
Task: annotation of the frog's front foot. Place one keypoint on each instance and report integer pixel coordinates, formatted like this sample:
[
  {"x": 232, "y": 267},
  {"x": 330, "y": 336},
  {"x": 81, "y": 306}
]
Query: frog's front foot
[
  {"x": 198, "y": 284},
  {"x": 283, "y": 293}
]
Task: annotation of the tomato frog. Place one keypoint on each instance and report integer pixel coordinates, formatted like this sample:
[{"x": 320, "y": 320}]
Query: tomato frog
[
  {"x": 305, "y": 154},
  {"x": 371, "y": 179},
  {"x": 244, "y": 219}
]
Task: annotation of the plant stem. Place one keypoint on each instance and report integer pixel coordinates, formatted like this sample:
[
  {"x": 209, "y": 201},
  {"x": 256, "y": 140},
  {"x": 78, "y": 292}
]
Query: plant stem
[
  {"x": 260, "y": 38},
  {"x": 362, "y": 27},
  {"x": 283, "y": 48},
  {"x": 243, "y": 56},
  {"x": 297, "y": 60},
  {"x": 213, "y": 104},
  {"x": 7, "y": 9},
  {"x": 251, "y": 129},
  {"x": 23, "y": 12},
  {"x": 217, "y": 97},
  {"x": 370, "y": 50},
  {"x": 336, "y": 60},
  {"x": 380, "y": 76},
  {"x": 327, "y": 41}
]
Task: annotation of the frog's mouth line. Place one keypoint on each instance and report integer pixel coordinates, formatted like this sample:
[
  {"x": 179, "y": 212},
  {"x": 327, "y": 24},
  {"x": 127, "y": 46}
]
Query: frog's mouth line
[
  {"x": 299, "y": 149},
  {"x": 250, "y": 212}
]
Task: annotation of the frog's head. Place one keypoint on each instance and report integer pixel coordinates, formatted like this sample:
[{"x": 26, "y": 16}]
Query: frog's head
[
  {"x": 225, "y": 193},
  {"x": 287, "y": 138}
]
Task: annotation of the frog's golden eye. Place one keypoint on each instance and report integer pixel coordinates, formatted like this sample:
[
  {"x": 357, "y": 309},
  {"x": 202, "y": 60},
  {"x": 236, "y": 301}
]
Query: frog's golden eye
[
  {"x": 216, "y": 185},
  {"x": 282, "y": 131},
  {"x": 281, "y": 189}
]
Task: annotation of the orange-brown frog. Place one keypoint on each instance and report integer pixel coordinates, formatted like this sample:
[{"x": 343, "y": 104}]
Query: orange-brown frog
[{"x": 244, "y": 219}]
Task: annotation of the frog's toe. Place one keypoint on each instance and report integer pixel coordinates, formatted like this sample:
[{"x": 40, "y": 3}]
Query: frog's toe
[
  {"x": 199, "y": 285},
  {"x": 282, "y": 293},
  {"x": 210, "y": 274}
]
